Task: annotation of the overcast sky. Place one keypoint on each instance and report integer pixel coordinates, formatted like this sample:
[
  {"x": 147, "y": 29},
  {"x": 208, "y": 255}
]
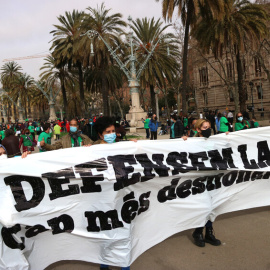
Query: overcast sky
[{"x": 25, "y": 25}]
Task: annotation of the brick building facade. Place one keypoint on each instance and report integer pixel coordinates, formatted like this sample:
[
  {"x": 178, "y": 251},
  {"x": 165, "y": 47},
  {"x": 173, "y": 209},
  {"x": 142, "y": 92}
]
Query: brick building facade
[{"x": 214, "y": 81}]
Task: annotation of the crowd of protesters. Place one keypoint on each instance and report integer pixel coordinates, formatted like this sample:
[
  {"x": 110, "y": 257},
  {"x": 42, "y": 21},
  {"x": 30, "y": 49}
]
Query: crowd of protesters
[
  {"x": 25, "y": 137},
  {"x": 182, "y": 125}
]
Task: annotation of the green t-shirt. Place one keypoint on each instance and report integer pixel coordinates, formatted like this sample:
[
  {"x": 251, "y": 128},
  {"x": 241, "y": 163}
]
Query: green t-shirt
[
  {"x": 193, "y": 133},
  {"x": 240, "y": 125},
  {"x": 185, "y": 122},
  {"x": 47, "y": 139},
  {"x": 146, "y": 123},
  {"x": 223, "y": 126},
  {"x": 256, "y": 124},
  {"x": 172, "y": 130},
  {"x": 27, "y": 140},
  {"x": 80, "y": 142},
  {"x": 31, "y": 129},
  {"x": 2, "y": 134}
]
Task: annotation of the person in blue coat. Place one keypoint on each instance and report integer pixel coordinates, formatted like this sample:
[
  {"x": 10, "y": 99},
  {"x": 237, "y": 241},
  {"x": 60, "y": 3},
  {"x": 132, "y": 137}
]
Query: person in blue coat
[{"x": 153, "y": 125}]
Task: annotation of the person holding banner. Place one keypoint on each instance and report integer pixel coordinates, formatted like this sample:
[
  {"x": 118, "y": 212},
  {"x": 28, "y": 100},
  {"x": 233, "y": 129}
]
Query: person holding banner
[
  {"x": 73, "y": 139},
  {"x": 106, "y": 131},
  {"x": 240, "y": 123},
  {"x": 3, "y": 153},
  {"x": 203, "y": 128},
  {"x": 105, "y": 128},
  {"x": 11, "y": 144}
]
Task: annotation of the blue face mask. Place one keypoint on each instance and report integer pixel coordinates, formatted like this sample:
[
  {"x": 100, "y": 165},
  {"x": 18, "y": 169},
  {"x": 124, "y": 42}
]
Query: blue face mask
[
  {"x": 73, "y": 129},
  {"x": 240, "y": 118},
  {"x": 110, "y": 138}
]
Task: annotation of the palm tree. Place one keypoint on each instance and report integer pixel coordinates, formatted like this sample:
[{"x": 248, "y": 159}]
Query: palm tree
[
  {"x": 162, "y": 67},
  {"x": 54, "y": 73},
  {"x": 22, "y": 92},
  {"x": 102, "y": 66},
  {"x": 188, "y": 10},
  {"x": 66, "y": 45},
  {"x": 241, "y": 22},
  {"x": 9, "y": 72}
]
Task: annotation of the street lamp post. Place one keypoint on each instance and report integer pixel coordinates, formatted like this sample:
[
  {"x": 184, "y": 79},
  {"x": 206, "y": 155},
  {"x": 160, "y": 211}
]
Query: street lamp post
[
  {"x": 136, "y": 113},
  {"x": 251, "y": 84},
  {"x": 51, "y": 99}
]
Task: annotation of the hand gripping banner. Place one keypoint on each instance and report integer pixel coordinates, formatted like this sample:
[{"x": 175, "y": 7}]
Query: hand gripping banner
[{"x": 110, "y": 203}]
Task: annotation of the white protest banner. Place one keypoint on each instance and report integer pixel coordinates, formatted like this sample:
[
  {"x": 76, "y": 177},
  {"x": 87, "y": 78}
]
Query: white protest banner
[{"x": 110, "y": 203}]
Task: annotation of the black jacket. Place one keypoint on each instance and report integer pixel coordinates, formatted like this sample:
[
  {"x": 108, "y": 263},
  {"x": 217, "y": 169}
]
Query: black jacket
[
  {"x": 178, "y": 129},
  {"x": 90, "y": 131}
]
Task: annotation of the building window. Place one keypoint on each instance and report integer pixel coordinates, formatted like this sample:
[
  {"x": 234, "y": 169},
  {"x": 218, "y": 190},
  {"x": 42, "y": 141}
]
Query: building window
[
  {"x": 203, "y": 72},
  {"x": 258, "y": 68},
  {"x": 229, "y": 70},
  {"x": 205, "y": 98},
  {"x": 260, "y": 92}
]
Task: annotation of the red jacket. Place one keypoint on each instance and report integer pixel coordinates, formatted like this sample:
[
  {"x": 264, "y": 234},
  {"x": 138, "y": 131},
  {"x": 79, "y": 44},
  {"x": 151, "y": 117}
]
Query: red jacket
[{"x": 67, "y": 127}]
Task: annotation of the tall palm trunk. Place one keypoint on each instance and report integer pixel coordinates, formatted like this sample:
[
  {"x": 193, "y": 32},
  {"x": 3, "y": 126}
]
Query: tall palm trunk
[
  {"x": 142, "y": 98},
  {"x": 105, "y": 94},
  {"x": 185, "y": 56},
  {"x": 241, "y": 91},
  {"x": 64, "y": 94},
  {"x": 153, "y": 98},
  {"x": 15, "y": 112},
  {"x": 79, "y": 65},
  {"x": 29, "y": 106},
  {"x": 119, "y": 105}
]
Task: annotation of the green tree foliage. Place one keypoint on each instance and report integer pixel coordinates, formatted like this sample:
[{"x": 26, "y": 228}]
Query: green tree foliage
[
  {"x": 188, "y": 10},
  {"x": 53, "y": 73},
  {"x": 67, "y": 48}
]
